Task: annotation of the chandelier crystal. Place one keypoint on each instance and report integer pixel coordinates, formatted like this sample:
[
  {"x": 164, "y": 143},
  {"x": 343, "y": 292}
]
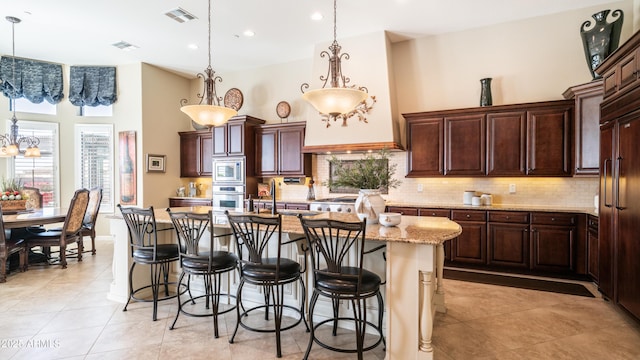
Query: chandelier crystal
[
  {"x": 211, "y": 113},
  {"x": 339, "y": 100},
  {"x": 10, "y": 143}
]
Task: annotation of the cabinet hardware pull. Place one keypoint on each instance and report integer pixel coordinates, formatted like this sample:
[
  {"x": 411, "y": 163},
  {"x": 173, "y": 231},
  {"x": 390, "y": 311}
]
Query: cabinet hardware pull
[
  {"x": 604, "y": 172},
  {"x": 553, "y": 219},
  {"x": 507, "y": 217},
  {"x": 618, "y": 166},
  {"x": 468, "y": 216}
]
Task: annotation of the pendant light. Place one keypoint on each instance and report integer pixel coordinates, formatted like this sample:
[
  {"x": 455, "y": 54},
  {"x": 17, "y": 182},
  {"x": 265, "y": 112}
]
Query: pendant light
[
  {"x": 11, "y": 142},
  {"x": 336, "y": 100},
  {"x": 208, "y": 114}
]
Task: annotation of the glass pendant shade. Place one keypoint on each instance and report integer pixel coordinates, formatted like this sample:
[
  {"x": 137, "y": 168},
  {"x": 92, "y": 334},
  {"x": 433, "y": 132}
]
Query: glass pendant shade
[
  {"x": 209, "y": 115},
  {"x": 335, "y": 101},
  {"x": 12, "y": 150}
]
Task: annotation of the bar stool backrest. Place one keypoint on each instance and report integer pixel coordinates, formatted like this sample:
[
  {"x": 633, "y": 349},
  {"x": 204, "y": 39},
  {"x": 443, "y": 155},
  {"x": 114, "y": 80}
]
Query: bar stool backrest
[
  {"x": 253, "y": 234},
  {"x": 141, "y": 223}
]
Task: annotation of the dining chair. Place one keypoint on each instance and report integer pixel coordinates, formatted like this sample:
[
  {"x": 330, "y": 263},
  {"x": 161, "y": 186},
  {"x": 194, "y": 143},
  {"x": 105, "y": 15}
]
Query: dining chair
[
  {"x": 145, "y": 250},
  {"x": 252, "y": 234},
  {"x": 68, "y": 234},
  {"x": 337, "y": 250},
  {"x": 91, "y": 216},
  {"x": 8, "y": 247},
  {"x": 201, "y": 260},
  {"x": 34, "y": 197}
]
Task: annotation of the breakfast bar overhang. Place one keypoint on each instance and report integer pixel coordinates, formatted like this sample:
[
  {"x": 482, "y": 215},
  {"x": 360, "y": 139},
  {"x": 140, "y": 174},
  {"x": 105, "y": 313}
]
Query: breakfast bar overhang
[{"x": 414, "y": 268}]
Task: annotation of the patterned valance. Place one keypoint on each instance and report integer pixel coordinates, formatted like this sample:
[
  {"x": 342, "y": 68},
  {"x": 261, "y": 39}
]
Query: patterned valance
[
  {"x": 92, "y": 85},
  {"x": 35, "y": 80}
]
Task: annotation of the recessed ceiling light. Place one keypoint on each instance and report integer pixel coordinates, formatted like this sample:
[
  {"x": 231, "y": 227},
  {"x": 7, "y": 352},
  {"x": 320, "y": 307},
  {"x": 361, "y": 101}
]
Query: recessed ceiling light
[
  {"x": 193, "y": 46},
  {"x": 316, "y": 16},
  {"x": 248, "y": 33}
]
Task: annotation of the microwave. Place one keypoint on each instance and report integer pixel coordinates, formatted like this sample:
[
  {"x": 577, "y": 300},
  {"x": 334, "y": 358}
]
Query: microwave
[{"x": 228, "y": 171}]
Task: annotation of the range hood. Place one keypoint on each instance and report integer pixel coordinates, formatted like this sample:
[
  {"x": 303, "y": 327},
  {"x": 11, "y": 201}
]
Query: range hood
[{"x": 370, "y": 66}]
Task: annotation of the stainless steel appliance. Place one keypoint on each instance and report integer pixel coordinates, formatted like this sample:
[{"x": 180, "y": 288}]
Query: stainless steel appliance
[
  {"x": 228, "y": 196},
  {"x": 228, "y": 171},
  {"x": 344, "y": 204}
]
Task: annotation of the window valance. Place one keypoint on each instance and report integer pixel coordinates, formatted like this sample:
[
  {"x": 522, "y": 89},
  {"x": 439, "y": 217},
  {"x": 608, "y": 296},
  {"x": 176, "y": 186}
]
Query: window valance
[
  {"x": 35, "y": 80},
  {"x": 92, "y": 85}
]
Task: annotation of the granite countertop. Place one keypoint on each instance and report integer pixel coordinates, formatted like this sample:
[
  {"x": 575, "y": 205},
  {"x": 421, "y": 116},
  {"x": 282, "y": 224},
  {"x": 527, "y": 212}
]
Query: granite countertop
[
  {"x": 190, "y": 197},
  {"x": 502, "y": 207},
  {"x": 412, "y": 229}
]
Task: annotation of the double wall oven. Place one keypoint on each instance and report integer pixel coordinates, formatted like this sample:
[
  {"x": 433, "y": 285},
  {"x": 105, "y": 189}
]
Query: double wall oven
[{"x": 229, "y": 183}]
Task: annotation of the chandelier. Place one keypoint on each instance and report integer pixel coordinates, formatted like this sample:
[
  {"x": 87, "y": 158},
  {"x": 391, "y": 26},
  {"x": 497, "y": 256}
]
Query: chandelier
[
  {"x": 209, "y": 115},
  {"x": 339, "y": 101},
  {"x": 11, "y": 142}
]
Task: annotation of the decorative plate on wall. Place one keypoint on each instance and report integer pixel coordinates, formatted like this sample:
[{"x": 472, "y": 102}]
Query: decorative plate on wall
[
  {"x": 283, "y": 109},
  {"x": 233, "y": 99}
]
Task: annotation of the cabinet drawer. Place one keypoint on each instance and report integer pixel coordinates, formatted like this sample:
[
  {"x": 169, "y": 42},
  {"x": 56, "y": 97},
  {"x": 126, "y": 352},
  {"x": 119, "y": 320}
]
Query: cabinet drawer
[
  {"x": 554, "y": 219},
  {"x": 403, "y": 210},
  {"x": 509, "y": 217},
  {"x": 296, "y": 206},
  {"x": 434, "y": 212},
  {"x": 468, "y": 215},
  {"x": 592, "y": 223}
]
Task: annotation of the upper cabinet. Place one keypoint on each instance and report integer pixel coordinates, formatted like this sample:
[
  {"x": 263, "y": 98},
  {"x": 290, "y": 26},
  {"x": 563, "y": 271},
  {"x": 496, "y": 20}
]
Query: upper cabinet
[
  {"x": 279, "y": 150},
  {"x": 234, "y": 137},
  {"x": 195, "y": 153},
  {"x": 586, "y": 127},
  {"x": 509, "y": 140}
]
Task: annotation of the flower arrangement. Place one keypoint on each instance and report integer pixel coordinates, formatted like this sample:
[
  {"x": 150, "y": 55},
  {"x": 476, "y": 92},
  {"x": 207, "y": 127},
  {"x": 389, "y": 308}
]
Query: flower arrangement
[{"x": 373, "y": 171}]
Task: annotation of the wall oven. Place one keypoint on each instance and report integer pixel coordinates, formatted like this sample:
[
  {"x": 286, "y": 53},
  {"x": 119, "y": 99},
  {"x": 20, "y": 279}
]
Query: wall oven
[
  {"x": 228, "y": 171},
  {"x": 228, "y": 196}
]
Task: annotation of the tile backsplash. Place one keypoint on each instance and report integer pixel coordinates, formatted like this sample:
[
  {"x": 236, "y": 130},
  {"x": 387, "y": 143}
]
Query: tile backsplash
[{"x": 552, "y": 191}]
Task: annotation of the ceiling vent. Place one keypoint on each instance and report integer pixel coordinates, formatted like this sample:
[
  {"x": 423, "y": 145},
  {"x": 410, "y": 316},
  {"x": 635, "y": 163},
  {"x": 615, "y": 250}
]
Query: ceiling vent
[
  {"x": 123, "y": 45},
  {"x": 180, "y": 15}
]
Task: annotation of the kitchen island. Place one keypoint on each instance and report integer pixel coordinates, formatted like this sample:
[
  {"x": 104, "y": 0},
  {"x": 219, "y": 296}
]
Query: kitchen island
[{"x": 414, "y": 266}]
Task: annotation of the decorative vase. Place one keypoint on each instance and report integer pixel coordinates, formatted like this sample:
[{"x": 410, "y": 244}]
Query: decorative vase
[
  {"x": 600, "y": 39},
  {"x": 369, "y": 204},
  {"x": 485, "y": 92}
]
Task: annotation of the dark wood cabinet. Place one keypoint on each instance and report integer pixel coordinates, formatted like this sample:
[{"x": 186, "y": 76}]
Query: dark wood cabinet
[
  {"x": 549, "y": 141},
  {"x": 279, "y": 150},
  {"x": 236, "y": 138},
  {"x": 592, "y": 247},
  {"x": 532, "y": 139},
  {"x": 471, "y": 246},
  {"x": 553, "y": 241},
  {"x": 195, "y": 153},
  {"x": 465, "y": 145},
  {"x": 606, "y": 212},
  {"x": 587, "y": 99},
  {"x": 425, "y": 139},
  {"x": 508, "y": 239},
  {"x": 507, "y": 143},
  {"x": 403, "y": 210}
]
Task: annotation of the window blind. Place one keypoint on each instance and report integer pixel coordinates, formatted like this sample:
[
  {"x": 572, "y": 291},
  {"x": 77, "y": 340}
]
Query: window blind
[{"x": 94, "y": 160}]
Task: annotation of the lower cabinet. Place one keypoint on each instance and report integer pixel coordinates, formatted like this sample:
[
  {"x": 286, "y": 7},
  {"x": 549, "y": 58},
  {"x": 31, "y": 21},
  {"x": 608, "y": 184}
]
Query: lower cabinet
[
  {"x": 508, "y": 234},
  {"x": 471, "y": 246},
  {"x": 182, "y": 202},
  {"x": 553, "y": 238},
  {"x": 593, "y": 260}
]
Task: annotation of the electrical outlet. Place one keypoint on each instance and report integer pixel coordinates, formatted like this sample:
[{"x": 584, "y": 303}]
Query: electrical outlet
[
  {"x": 419, "y": 187},
  {"x": 512, "y": 188}
]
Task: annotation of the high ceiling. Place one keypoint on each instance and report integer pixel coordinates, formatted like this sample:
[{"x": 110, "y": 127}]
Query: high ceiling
[{"x": 81, "y": 32}]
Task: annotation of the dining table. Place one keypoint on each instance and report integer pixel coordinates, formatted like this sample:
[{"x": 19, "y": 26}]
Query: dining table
[{"x": 33, "y": 217}]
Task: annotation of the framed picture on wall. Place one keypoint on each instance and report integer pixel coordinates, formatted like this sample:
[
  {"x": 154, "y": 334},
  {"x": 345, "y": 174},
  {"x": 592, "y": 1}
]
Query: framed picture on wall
[
  {"x": 127, "y": 166},
  {"x": 155, "y": 163}
]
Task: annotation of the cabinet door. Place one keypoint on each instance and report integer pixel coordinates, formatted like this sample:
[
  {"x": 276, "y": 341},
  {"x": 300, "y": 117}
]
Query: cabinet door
[
  {"x": 235, "y": 139},
  {"x": 549, "y": 142},
  {"x": 552, "y": 248},
  {"x": 189, "y": 154},
  {"x": 587, "y": 131},
  {"x": 628, "y": 72},
  {"x": 220, "y": 140},
  {"x": 206, "y": 152},
  {"x": 426, "y": 149},
  {"x": 291, "y": 160},
  {"x": 471, "y": 246},
  {"x": 508, "y": 245},
  {"x": 627, "y": 194},
  {"x": 507, "y": 139},
  {"x": 465, "y": 145},
  {"x": 605, "y": 216},
  {"x": 267, "y": 157},
  {"x": 592, "y": 247}
]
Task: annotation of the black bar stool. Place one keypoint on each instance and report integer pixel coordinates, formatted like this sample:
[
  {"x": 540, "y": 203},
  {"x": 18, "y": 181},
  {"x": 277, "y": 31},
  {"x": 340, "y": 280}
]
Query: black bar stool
[
  {"x": 253, "y": 234},
  {"x": 339, "y": 276},
  {"x": 209, "y": 263},
  {"x": 145, "y": 250}
]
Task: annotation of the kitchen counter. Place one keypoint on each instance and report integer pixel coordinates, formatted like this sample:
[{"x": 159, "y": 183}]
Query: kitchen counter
[
  {"x": 502, "y": 207},
  {"x": 413, "y": 269}
]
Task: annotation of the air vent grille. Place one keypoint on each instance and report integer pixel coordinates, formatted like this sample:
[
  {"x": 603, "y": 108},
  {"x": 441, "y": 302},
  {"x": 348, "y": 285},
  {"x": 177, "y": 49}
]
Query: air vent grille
[
  {"x": 123, "y": 45},
  {"x": 180, "y": 15}
]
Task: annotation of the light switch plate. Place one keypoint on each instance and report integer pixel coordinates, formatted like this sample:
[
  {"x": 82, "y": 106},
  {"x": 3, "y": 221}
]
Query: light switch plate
[
  {"x": 419, "y": 187},
  {"x": 512, "y": 188}
]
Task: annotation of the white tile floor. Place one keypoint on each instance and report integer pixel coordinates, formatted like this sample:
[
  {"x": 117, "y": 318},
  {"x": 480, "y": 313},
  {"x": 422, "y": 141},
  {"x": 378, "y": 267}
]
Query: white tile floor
[{"x": 50, "y": 313}]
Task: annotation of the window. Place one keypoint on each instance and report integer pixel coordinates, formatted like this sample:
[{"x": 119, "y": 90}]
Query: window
[
  {"x": 24, "y": 105},
  {"x": 41, "y": 172},
  {"x": 100, "y": 110},
  {"x": 94, "y": 160}
]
